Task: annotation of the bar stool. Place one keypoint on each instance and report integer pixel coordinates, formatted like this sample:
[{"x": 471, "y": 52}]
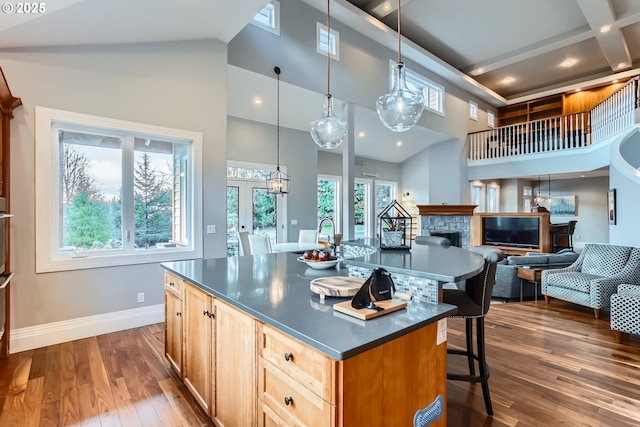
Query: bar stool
[
  {"x": 568, "y": 233},
  {"x": 473, "y": 303}
]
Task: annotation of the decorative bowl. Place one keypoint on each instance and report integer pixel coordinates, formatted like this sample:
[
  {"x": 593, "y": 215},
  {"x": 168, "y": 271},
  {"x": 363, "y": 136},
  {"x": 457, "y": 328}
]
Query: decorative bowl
[{"x": 320, "y": 265}]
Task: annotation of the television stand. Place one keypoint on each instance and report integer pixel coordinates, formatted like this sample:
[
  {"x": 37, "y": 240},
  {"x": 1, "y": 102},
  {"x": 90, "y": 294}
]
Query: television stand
[{"x": 544, "y": 236}]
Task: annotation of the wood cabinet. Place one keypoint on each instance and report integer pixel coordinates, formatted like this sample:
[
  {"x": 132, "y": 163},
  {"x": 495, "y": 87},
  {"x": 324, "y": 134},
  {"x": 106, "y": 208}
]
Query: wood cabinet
[
  {"x": 244, "y": 372},
  {"x": 544, "y": 235},
  {"x": 173, "y": 325},
  {"x": 198, "y": 352},
  {"x": 235, "y": 366},
  {"x": 8, "y": 103}
]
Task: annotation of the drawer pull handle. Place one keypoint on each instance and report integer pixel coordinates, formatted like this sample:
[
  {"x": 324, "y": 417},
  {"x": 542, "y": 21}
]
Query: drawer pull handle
[
  {"x": 171, "y": 284},
  {"x": 288, "y": 357},
  {"x": 205, "y": 313},
  {"x": 288, "y": 400}
]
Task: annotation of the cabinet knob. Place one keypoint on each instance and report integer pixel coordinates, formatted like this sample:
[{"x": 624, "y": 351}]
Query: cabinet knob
[
  {"x": 171, "y": 284},
  {"x": 205, "y": 312},
  {"x": 178, "y": 313},
  {"x": 211, "y": 316},
  {"x": 288, "y": 357},
  {"x": 288, "y": 400}
]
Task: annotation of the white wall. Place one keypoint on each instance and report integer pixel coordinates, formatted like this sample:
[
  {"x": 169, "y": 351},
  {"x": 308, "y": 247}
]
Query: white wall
[
  {"x": 625, "y": 180},
  {"x": 179, "y": 85}
]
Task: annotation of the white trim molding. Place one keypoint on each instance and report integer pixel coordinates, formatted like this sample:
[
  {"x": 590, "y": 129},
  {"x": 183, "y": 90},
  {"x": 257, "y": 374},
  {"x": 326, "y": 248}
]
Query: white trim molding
[{"x": 73, "y": 329}]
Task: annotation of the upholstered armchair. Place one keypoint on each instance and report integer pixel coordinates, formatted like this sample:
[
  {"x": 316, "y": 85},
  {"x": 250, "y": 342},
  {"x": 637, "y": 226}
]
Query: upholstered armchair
[
  {"x": 625, "y": 311},
  {"x": 594, "y": 276}
]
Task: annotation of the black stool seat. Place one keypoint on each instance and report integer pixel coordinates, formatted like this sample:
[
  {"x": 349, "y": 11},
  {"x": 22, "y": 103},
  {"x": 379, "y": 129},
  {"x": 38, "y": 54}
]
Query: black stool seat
[
  {"x": 473, "y": 303},
  {"x": 567, "y": 233}
]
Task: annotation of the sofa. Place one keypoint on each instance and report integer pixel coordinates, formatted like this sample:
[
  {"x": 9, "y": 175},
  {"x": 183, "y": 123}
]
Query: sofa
[
  {"x": 507, "y": 284},
  {"x": 625, "y": 311},
  {"x": 594, "y": 276}
]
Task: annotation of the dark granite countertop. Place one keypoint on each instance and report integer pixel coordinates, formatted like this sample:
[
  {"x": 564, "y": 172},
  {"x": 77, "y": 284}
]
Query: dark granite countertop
[
  {"x": 274, "y": 288},
  {"x": 444, "y": 264}
]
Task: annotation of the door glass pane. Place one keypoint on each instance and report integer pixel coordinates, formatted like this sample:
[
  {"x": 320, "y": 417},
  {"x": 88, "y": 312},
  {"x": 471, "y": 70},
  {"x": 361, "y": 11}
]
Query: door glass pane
[
  {"x": 360, "y": 210},
  {"x": 264, "y": 213},
  {"x": 232, "y": 220},
  {"x": 327, "y": 203}
]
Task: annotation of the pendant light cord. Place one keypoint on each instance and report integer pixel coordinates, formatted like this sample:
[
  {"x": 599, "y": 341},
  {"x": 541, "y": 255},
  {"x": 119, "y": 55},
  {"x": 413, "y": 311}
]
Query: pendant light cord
[
  {"x": 399, "y": 36},
  {"x": 328, "y": 47},
  {"x": 277, "y": 71}
]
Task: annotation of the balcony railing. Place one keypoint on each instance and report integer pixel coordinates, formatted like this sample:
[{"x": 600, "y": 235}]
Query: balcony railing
[{"x": 570, "y": 131}]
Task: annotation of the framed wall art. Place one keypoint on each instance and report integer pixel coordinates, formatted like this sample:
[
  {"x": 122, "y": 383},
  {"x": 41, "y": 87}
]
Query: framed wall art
[{"x": 612, "y": 206}]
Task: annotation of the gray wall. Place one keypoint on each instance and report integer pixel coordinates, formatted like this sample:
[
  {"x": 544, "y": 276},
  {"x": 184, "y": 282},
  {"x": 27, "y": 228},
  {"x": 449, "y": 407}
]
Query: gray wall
[{"x": 179, "y": 85}]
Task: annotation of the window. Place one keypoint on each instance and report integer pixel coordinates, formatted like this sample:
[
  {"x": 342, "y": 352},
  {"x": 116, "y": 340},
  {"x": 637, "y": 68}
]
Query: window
[
  {"x": 491, "y": 119},
  {"x": 385, "y": 194},
  {"x": 527, "y": 197},
  {"x": 473, "y": 111},
  {"x": 326, "y": 42},
  {"x": 493, "y": 198},
  {"x": 110, "y": 192},
  {"x": 268, "y": 18},
  {"x": 478, "y": 190},
  {"x": 433, "y": 93},
  {"x": 362, "y": 208}
]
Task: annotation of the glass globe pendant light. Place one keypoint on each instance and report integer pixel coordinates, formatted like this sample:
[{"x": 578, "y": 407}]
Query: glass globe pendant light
[
  {"x": 401, "y": 108},
  {"x": 278, "y": 181},
  {"x": 328, "y": 131}
]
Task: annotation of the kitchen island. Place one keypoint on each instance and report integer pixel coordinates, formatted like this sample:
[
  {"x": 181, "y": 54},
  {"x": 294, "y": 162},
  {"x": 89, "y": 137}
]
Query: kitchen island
[{"x": 256, "y": 347}]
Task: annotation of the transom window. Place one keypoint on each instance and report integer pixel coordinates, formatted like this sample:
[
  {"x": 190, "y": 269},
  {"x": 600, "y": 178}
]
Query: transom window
[
  {"x": 110, "y": 192},
  {"x": 432, "y": 92},
  {"x": 269, "y": 18},
  {"x": 326, "y": 42}
]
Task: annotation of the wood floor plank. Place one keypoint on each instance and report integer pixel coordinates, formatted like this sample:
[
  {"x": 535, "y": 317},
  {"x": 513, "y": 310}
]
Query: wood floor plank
[{"x": 551, "y": 365}]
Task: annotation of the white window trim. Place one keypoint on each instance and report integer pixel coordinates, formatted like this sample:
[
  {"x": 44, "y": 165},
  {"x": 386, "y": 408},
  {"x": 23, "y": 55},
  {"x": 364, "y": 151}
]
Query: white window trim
[
  {"x": 369, "y": 206},
  {"x": 48, "y": 256},
  {"x": 336, "y": 35},
  {"x": 491, "y": 119},
  {"x": 473, "y": 110},
  {"x": 276, "y": 20}
]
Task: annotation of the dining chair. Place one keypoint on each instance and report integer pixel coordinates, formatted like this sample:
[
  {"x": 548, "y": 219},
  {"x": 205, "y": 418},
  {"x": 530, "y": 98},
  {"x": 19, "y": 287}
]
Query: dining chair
[
  {"x": 243, "y": 243},
  {"x": 308, "y": 236},
  {"x": 259, "y": 244}
]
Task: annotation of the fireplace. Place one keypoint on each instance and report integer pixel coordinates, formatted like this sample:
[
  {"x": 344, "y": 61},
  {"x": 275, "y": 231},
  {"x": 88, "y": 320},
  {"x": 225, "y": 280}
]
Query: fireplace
[{"x": 450, "y": 221}]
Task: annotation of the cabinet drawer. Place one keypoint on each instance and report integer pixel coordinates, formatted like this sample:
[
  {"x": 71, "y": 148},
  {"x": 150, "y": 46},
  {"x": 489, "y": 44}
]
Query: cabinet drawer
[
  {"x": 308, "y": 366},
  {"x": 174, "y": 285},
  {"x": 291, "y": 401},
  {"x": 268, "y": 418}
]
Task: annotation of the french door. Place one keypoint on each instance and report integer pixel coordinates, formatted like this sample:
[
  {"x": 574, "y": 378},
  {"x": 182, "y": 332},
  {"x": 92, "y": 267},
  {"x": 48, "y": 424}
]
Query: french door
[{"x": 251, "y": 209}]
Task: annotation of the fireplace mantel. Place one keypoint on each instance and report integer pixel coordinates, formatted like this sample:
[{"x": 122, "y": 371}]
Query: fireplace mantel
[{"x": 446, "y": 209}]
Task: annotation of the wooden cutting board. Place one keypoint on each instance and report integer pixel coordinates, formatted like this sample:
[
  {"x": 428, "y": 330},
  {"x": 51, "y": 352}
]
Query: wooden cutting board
[
  {"x": 336, "y": 286},
  {"x": 388, "y": 306}
]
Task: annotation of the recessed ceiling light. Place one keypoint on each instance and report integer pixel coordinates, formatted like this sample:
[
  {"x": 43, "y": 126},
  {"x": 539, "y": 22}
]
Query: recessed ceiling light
[
  {"x": 399, "y": 143},
  {"x": 583, "y": 176},
  {"x": 386, "y": 6},
  {"x": 508, "y": 80},
  {"x": 622, "y": 65},
  {"x": 362, "y": 134},
  {"x": 605, "y": 28},
  {"x": 614, "y": 81},
  {"x": 257, "y": 100},
  {"x": 569, "y": 62}
]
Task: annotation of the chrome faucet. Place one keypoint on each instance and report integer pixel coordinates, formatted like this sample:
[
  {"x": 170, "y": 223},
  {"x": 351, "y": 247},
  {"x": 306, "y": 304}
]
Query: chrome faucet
[{"x": 332, "y": 237}]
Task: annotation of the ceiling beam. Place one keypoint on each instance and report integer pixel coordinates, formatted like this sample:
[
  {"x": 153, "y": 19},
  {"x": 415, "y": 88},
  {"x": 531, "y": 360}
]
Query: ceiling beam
[{"x": 600, "y": 15}]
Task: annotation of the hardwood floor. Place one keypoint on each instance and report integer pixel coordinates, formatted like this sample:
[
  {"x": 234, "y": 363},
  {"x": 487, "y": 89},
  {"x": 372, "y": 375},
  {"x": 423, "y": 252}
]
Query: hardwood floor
[
  {"x": 118, "y": 379},
  {"x": 551, "y": 365}
]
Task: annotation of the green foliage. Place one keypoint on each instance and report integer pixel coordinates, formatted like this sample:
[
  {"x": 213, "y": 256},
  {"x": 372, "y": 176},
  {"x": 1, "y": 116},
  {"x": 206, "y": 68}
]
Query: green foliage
[
  {"x": 359, "y": 204},
  {"x": 326, "y": 199},
  {"x": 87, "y": 223},
  {"x": 264, "y": 209},
  {"x": 152, "y": 205}
]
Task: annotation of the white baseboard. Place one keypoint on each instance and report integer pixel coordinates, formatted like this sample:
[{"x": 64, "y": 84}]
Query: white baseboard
[{"x": 68, "y": 330}]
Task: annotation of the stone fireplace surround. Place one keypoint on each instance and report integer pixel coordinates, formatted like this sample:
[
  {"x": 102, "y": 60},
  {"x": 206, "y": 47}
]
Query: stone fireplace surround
[{"x": 447, "y": 218}]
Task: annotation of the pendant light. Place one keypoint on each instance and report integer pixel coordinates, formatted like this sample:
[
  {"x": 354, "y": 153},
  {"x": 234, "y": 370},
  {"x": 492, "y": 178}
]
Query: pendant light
[
  {"x": 278, "y": 181},
  {"x": 549, "y": 199},
  {"x": 328, "y": 131},
  {"x": 538, "y": 198},
  {"x": 400, "y": 109}
]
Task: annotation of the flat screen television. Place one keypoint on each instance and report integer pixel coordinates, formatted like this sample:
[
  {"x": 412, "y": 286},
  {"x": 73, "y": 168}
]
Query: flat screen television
[{"x": 522, "y": 232}]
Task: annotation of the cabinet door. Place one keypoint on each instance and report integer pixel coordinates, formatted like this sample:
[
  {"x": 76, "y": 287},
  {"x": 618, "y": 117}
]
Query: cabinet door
[
  {"x": 198, "y": 346},
  {"x": 236, "y": 390},
  {"x": 173, "y": 331}
]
